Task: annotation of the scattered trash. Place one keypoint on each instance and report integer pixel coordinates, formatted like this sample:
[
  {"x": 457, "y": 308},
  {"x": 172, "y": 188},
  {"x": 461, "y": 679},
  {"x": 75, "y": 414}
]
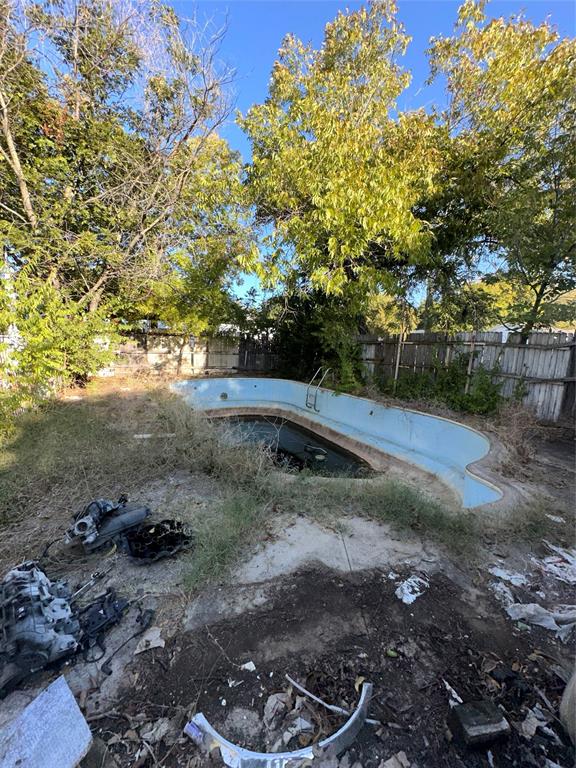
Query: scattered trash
[
  {"x": 477, "y": 722},
  {"x": 103, "y": 521},
  {"x": 516, "y": 579},
  {"x": 555, "y": 518},
  {"x": 561, "y": 565},
  {"x": 536, "y": 718},
  {"x": 331, "y": 707},
  {"x": 502, "y": 592},
  {"x": 150, "y": 639},
  {"x": 276, "y": 707},
  {"x": 148, "y": 543},
  {"x": 399, "y": 760},
  {"x": 51, "y": 732},
  {"x": 249, "y": 666},
  {"x": 234, "y": 756},
  {"x": 164, "y": 729},
  {"x": 561, "y": 620},
  {"x": 411, "y": 588},
  {"x": 37, "y": 625},
  {"x": 148, "y": 435},
  {"x": 454, "y": 697}
]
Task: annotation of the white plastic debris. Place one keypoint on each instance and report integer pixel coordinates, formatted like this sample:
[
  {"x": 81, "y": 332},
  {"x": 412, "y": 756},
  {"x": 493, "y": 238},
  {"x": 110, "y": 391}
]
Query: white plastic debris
[
  {"x": 555, "y": 518},
  {"x": 536, "y": 718},
  {"x": 51, "y": 732},
  {"x": 454, "y": 698},
  {"x": 516, "y": 579},
  {"x": 561, "y": 565},
  {"x": 502, "y": 592},
  {"x": 411, "y": 588},
  {"x": 561, "y": 619},
  {"x": 249, "y": 666}
]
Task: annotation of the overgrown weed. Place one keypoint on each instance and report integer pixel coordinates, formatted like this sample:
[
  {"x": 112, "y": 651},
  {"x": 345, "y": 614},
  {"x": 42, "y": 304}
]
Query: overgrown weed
[{"x": 70, "y": 452}]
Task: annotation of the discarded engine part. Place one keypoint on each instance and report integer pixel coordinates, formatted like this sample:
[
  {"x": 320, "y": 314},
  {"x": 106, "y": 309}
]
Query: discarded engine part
[
  {"x": 144, "y": 619},
  {"x": 37, "y": 626},
  {"x": 106, "y": 611},
  {"x": 204, "y": 735},
  {"x": 149, "y": 543},
  {"x": 103, "y": 520},
  {"x": 96, "y": 576}
]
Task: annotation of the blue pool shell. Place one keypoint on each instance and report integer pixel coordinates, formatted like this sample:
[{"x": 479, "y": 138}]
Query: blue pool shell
[{"x": 438, "y": 445}]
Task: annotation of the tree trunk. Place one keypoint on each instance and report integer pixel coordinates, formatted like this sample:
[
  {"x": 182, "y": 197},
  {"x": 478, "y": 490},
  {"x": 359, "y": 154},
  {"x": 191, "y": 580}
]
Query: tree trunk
[
  {"x": 533, "y": 316},
  {"x": 14, "y": 162}
]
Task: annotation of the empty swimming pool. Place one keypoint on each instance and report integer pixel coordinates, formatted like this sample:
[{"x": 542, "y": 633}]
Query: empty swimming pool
[{"x": 437, "y": 445}]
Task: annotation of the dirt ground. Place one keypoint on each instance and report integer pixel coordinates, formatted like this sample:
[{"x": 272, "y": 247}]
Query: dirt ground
[{"x": 317, "y": 600}]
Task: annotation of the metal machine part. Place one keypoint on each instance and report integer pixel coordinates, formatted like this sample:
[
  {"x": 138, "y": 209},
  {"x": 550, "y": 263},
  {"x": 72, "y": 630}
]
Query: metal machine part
[
  {"x": 151, "y": 542},
  {"x": 37, "y": 626},
  {"x": 106, "y": 611},
  {"x": 206, "y": 737},
  {"x": 103, "y": 520}
]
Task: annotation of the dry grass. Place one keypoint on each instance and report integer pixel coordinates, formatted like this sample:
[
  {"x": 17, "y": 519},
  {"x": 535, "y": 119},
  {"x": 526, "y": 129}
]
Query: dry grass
[{"x": 70, "y": 452}]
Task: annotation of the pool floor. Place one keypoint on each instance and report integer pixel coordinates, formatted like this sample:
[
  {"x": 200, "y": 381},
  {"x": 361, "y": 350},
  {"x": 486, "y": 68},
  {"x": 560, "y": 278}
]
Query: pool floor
[{"x": 297, "y": 448}]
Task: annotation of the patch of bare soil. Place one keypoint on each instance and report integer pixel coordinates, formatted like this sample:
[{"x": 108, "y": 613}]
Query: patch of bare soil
[{"x": 330, "y": 631}]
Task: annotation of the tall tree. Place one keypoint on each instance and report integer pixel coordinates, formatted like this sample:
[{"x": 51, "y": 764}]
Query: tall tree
[
  {"x": 112, "y": 177},
  {"x": 512, "y": 97},
  {"x": 336, "y": 174}
]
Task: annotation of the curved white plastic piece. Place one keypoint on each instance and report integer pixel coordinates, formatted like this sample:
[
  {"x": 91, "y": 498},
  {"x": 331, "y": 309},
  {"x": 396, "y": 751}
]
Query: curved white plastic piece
[{"x": 203, "y": 734}]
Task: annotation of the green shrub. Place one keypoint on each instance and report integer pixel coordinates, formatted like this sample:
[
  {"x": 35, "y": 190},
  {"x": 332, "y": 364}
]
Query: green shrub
[{"x": 447, "y": 384}]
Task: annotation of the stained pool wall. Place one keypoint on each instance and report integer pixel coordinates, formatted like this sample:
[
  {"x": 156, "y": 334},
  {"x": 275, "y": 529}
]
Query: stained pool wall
[{"x": 437, "y": 445}]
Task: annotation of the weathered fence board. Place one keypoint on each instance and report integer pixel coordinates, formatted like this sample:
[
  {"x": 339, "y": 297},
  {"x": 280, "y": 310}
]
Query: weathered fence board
[{"x": 541, "y": 370}]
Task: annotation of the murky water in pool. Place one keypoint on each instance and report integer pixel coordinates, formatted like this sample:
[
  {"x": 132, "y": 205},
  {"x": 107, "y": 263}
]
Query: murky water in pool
[{"x": 296, "y": 447}]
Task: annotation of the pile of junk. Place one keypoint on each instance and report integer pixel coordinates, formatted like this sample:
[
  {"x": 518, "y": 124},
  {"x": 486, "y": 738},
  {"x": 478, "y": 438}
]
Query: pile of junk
[{"x": 44, "y": 623}]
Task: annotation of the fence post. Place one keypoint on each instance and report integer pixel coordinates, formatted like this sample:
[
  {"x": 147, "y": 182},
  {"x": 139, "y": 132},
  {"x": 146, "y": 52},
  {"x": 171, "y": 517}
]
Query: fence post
[
  {"x": 470, "y": 363},
  {"x": 398, "y": 355}
]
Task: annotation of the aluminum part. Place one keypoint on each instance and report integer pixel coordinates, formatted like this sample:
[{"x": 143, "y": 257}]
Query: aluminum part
[{"x": 206, "y": 737}]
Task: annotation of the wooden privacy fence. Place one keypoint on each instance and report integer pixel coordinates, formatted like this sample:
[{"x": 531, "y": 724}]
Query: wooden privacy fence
[
  {"x": 241, "y": 354},
  {"x": 542, "y": 370}
]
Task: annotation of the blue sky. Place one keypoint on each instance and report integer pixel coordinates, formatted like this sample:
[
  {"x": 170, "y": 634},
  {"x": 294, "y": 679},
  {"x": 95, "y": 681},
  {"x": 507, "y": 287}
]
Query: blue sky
[{"x": 256, "y": 29}]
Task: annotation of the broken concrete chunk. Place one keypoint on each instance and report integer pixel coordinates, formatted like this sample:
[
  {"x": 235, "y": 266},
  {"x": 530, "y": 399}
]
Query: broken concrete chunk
[
  {"x": 477, "y": 722},
  {"x": 399, "y": 760}
]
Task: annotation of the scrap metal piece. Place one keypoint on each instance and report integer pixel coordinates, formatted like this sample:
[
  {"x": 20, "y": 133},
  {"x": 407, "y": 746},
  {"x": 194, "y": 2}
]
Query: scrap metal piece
[
  {"x": 103, "y": 521},
  {"x": 149, "y": 543},
  {"x": 206, "y": 737},
  {"x": 37, "y": 624}
]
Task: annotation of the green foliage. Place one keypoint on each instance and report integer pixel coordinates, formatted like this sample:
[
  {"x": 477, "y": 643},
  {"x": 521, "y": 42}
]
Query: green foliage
[
  {"x": 333, "y": 172},
  {"x": 54, "y": 343},
  {"x": 512, "y": 97},
  {"x": 314, "y": 330},
  {"x": 447, "y": 384},
  {"x": 110, "y": 212}
]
